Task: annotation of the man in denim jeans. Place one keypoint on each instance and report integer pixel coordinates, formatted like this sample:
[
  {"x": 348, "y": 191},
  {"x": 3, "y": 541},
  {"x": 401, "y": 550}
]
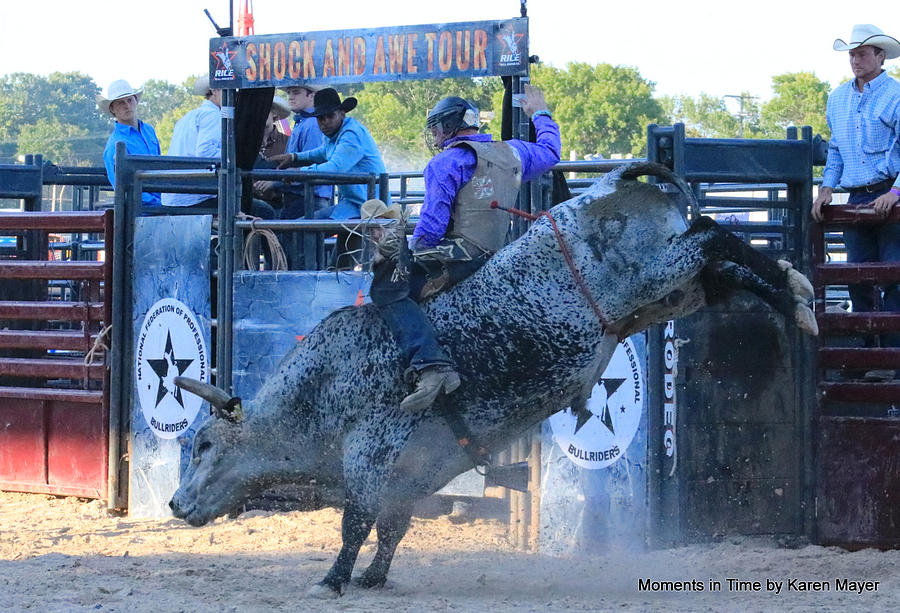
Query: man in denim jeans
[{"x": 864, "y": 157}]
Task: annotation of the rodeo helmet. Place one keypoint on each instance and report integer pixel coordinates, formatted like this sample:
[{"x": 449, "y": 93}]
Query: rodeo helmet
[{"x": 451, "y": 115}]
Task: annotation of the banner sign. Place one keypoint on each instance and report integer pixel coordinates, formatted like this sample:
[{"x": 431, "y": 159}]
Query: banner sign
[{"x": 436, "y": 51}]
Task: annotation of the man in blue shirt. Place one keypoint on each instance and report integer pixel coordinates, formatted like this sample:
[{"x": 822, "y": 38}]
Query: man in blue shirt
[
  {"x": 459, "y": 228},
  {"x": 305, "y": 136},
  {"x": 864, "y": 158},
  {"x": 121, "y": 101},
  {"x": 348, "y": 148},
  {"x": 198, "y": 134}
]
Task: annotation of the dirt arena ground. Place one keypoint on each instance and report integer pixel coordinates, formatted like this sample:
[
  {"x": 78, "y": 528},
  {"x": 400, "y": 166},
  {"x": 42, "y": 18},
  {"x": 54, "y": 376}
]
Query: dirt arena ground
[{"x": 69, "y": 554}]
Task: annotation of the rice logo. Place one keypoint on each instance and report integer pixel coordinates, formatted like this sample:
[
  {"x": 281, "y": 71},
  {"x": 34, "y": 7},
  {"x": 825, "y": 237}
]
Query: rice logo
[
  {"x": 599, "y": 435},
  {"x": 170, "y": 344},
  {"x": 224, "y": 70}
]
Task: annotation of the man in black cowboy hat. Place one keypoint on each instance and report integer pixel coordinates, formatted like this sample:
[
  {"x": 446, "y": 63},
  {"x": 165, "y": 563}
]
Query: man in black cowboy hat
[{"x": 348, "y": 147}]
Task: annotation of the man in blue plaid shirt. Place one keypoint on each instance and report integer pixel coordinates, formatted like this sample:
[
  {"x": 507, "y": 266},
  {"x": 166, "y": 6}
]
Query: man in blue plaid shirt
[{"x": 864, "y": 158}]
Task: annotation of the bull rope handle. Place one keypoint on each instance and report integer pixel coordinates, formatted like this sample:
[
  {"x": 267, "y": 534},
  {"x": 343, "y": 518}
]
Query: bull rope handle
[{"x": 567, "y": 255}]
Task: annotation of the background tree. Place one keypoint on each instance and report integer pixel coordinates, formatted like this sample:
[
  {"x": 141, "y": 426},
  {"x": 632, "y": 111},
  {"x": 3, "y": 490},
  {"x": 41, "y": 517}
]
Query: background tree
[
  {"x": 706, "y": 116},
  {"x": 601, "y": 109},
  {"x": 68, "y": 98},
  {"x": 395, "y": 111},
  {"x": 164, "y": 103},
  {"x": 800, "y": 99}
]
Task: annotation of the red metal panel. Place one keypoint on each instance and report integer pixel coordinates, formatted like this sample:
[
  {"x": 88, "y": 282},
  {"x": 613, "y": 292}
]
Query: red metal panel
[
  {"x": 860, "y": 357},
  {"x": 22, "y": 433},
  {"x": 858, "y": 501},
  {"x": 71, "y": 311},
  {"x": 31, "y": 269},
  {"x": 858, "y": 323},
  {"x": 861, "y": 392},
  {"x": 77, "y": 446},
  {"x": 76, "y": 221},
  {"x": 50, "y": 368}
]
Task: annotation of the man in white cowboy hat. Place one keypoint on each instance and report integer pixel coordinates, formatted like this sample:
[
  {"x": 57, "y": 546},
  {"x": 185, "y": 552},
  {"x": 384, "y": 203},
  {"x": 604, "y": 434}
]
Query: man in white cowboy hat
[
  {"x": 348, "y": 147},
  {"x": 864, "y": 158},
  {"x": 305, "y": 136},
  {"x": 198, "y": 134},
  {"x": 121, "y": 101}
]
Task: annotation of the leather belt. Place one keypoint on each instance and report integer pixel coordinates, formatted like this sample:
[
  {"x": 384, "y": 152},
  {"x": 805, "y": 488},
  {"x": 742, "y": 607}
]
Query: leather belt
[{"x": 881, "y": 186}]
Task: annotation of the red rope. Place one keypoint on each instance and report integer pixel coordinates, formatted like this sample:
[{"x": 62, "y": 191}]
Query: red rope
[{"x": 567, "y": 255}]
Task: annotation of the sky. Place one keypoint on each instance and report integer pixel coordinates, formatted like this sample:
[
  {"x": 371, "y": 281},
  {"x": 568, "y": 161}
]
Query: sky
[{"x": 686, "y": 47}]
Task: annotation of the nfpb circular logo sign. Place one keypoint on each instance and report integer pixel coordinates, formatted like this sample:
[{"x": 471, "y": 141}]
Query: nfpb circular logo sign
[
  {"x": 599, "y": 435},
  {"x": 170, "y": 344}
]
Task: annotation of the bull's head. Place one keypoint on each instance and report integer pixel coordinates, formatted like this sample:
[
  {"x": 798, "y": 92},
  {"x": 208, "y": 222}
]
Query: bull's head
[{"x": 224, "y": 460}]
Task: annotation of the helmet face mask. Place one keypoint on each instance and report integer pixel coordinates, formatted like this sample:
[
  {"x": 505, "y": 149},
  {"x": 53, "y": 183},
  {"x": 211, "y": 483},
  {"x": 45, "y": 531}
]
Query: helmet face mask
[{"x": 447, "y": 118}]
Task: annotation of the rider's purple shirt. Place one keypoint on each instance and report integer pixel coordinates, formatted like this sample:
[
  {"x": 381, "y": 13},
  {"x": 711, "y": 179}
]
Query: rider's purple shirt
[{"x": 452, "y": 168}]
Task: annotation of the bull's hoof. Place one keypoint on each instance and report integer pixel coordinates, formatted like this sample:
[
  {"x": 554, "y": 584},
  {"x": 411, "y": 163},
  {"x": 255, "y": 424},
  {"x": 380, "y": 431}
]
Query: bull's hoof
[
  {"x": 797, "y": 282},
  {"x": 369, "y": 582},
  {"x": 324, "y": 591},
  {"x": 806, "y": 319}
]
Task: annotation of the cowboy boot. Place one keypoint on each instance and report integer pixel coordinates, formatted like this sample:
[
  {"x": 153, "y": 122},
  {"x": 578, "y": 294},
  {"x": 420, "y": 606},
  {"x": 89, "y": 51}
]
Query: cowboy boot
[{"x": 429, "y": 383}]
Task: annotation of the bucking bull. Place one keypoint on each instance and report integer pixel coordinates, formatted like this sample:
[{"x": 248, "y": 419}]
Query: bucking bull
[{"x": 529, "y": 338}]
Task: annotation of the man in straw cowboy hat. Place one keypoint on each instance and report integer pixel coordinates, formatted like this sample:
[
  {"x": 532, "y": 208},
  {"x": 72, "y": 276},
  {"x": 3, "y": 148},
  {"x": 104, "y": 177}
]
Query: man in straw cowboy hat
[
  {"x": 198, "y": 134},
  {"x": 121, "y": 101},
  {"x": 864, "y": 158},
  {"x": 458, "y": 228},
  {"x": 348, "y": 147}
]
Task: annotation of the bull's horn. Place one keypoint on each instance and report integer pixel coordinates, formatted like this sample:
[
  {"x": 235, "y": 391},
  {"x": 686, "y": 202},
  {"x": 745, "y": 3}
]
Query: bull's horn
[
  {"x": 216, "y": 397},
  {"x": 223, "y": 405}
]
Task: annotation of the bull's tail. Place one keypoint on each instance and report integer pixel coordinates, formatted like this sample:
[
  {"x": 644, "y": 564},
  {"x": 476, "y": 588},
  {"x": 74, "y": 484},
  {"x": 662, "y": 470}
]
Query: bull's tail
[{"x": 653, "y": 169}]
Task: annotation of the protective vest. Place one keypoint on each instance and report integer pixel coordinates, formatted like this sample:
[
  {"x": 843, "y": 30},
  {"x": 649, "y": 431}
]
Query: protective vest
[{"x": 497, "y": 178}]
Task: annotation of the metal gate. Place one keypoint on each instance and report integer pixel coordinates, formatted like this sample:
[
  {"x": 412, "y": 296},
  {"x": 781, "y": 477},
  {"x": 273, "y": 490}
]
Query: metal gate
[
  {"x": 857, "y": 430},
  {"x": 53, "y": 377}
]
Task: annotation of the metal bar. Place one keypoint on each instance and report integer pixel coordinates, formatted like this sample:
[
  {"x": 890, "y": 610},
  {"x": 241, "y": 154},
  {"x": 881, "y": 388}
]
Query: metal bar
[
  {"x": 861, "y": 323},
  {"x": 859, "y": 357},
  {"x": 175, "y": 173},
  {"x": 49, "y": 393},
  {"x": 316, "y": 178},
  {"x": 120, "y": 373},
  {"x": 78, "y": 221},
  {"x": 45, "y": 339},
  {"x": 66, "y": 368},
  {"x": 326, "y": 225},
  {"x": 869, "y": 272},
  {"x": 229, "y": 204},
  {"x": 754, "y": 203},
  {"x": 50, "y": 309},
  {"x": 861, "y": 392},
  {"x": 55, "y": 490},
  {"x": 848, "y": 214},
  {"x": 51, "y": 270}
]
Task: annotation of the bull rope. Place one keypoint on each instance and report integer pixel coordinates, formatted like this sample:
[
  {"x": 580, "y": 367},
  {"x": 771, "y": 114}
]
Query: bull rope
[
  {"x": 279, "y": 260},
  {"x": 567, "y": 255}
]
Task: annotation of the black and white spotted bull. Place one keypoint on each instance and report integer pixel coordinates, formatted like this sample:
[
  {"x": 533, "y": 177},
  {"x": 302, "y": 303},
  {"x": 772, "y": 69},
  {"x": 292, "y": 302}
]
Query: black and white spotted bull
[{"x": 526, "y": 340}]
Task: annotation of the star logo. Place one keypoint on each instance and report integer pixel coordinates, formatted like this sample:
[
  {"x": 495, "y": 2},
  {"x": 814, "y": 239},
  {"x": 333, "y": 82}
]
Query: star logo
[
  {"x": 223, "y": 57},
  {"x": 167, "y": 368},
  {"x": 510, "y": 39},
  {"x": 607, "y": 387},
  {"x": 597, "y": 431}
]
